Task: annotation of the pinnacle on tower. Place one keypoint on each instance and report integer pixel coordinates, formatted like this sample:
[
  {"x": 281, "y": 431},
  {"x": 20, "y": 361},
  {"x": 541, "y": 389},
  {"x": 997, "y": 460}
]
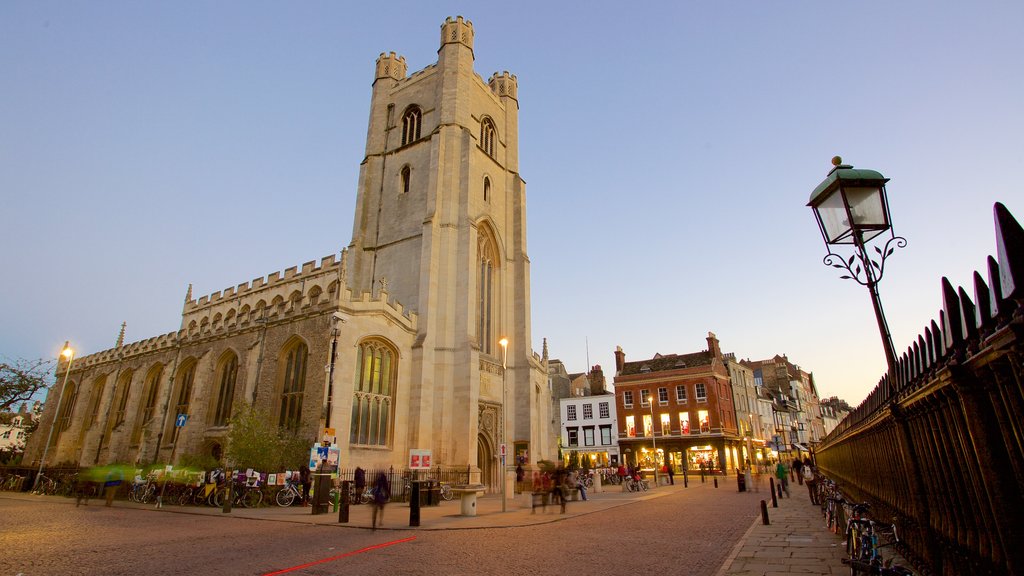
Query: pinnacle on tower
[{"x": 457, "y": 31}]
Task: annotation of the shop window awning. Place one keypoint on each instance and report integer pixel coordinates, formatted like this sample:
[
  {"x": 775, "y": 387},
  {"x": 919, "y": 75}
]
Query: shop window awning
[{"x": 801, "y": 447}]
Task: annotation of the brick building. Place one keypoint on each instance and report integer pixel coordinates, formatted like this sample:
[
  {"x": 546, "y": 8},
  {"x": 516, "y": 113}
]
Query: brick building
[{"x": 692, "y": 419}]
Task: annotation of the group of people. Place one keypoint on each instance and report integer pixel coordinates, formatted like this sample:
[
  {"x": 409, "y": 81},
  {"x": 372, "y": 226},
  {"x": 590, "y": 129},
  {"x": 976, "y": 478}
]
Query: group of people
[
  {"x": 556, "y": 486},
  {"x": 803, "y": 470}
]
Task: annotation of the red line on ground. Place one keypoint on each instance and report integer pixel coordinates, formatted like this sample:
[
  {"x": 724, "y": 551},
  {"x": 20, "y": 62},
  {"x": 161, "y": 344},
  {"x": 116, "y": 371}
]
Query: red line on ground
[{"x": 340, "y": 556}]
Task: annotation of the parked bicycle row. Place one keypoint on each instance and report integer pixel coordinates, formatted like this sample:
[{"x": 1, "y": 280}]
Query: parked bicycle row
[
  {"x": 183, "y": 487},
  {"x": 865, "y": 537}
]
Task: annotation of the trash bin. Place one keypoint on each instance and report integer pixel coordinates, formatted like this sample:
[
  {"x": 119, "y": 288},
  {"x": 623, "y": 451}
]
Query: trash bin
[
  {"x": 432, "y": 493},
  {"x": 322, "y": 493},
  {"x": 741, "y": 481}
]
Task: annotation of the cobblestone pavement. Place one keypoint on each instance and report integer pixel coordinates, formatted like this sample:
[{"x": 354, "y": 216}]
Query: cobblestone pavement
[{"x": 699, "y": 530}]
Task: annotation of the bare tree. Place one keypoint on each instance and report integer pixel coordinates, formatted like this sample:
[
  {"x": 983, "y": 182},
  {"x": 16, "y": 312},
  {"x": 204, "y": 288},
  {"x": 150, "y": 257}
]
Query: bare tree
[{"x": 20, "y": 380}]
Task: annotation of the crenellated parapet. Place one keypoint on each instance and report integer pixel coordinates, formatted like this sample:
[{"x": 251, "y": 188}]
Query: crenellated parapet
[
  {"x": 296, "y": 290},
  {"x": 504, "y": 85},
  {"x": 368, "y": 304},
  {"x": 391, "y": 66},
  {"x": 148, "y": 346},
  {"x": 457, "y": 31}
]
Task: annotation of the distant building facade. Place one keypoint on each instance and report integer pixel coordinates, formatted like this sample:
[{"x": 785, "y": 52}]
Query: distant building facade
[
  {"x": 394, "y": 344},
  {"x": 677, "y": 408}
]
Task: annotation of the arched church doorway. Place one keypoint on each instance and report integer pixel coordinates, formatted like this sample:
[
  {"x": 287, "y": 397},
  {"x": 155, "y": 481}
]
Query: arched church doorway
[{"x": 486, "y": 459}]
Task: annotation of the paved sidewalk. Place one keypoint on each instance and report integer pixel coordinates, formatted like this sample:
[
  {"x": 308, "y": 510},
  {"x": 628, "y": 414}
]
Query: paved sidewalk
[{"x": 796, "y": 541}]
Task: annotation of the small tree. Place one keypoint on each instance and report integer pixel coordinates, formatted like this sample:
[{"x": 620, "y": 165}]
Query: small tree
[
  {"x": 21, "y": 380},
  {"x": 254, "y": 442}
]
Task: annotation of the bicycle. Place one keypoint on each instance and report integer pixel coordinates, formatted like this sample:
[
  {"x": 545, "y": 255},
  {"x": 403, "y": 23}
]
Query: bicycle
[
  {"x": 45, "y": 486},
  {"x": 862, "y": 545},
  {"x": 636, "y": 484},
  {"x": 287, "y": 495},
  {"x": 446, "y": 491},
  {"x": 245, "y": 494}
]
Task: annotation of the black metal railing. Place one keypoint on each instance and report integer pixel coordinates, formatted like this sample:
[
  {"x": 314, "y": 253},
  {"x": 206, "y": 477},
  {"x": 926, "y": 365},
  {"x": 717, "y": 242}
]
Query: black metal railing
[{"x": 938, "y": 445}]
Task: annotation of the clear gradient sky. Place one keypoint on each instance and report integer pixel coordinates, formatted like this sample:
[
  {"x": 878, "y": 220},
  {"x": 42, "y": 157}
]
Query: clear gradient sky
[{"x": 669, "y": 151}]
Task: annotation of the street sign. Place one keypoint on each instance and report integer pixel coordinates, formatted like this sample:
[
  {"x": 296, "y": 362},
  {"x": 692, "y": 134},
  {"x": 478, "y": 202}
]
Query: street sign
[{"x": 180, "y": 420}]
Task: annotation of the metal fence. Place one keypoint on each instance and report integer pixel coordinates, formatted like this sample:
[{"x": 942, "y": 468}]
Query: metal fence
[
  {"x": 938, "y": 445},
  {"x": 399, "y": 480}
]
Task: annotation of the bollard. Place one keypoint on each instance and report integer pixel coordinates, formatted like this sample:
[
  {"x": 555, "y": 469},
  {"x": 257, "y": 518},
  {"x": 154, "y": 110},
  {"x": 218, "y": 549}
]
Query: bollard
[
  {"x": 771, "y": 487},
  {"x": 764, "y": 513},
  {"x": 414, "y": 504},
  {"x": 716, "y": 482},
  {"x": 343, "y": 505},
  {"x": 229, "y": 479}
]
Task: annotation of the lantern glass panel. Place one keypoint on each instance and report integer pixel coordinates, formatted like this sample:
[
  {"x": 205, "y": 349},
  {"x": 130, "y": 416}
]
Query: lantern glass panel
[
  {"x": 834, "y": 221},
  {"x": 866, "y": 206}
]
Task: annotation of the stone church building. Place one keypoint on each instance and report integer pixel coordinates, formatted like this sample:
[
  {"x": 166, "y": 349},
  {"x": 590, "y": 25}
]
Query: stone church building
[{"x": 394, "y": 344}]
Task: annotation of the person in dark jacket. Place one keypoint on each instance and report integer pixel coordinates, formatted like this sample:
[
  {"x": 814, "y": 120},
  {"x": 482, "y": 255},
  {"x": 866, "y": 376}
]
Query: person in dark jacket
[
  {"x": 306, "y": 479},
  {"x": 381, "y": 494}
]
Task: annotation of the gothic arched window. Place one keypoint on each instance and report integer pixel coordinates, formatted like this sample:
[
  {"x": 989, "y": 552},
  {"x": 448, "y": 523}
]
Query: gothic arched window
[
  {"x": 96, "y": 398},
  {"x": 411, "y": 121},
  {"x": 487, "y": 272},
  {"x": 147, "y": 409},
  {"x": 124, "y": 387},
  {"x": 487, "y": 189},
  {"x": 67, "y": 407},
  {"x": 487, "y": 136},
  {"x": 406, "y": 178},
  {"x": 227, "y": 371},
  {"x": 293, "y": 385},
  {"x": 185, "y": 378},
  {"x": 373, "y": 400}
]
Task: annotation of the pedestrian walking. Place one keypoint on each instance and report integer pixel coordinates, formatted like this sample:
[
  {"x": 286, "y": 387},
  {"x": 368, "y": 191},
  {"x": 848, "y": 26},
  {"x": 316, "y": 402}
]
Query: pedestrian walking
[
  {"x": 306, "y": 479},
  {"x": 520, "y": 476},
  {"x": 798, "y": 465},
  {"x": 671, "y": 473},
  {"x": 780, "y": 473},
  {"x": 360, "y": 482},
  {"x": 809, "y": 479},
  {"x": 381, "y": 492}
]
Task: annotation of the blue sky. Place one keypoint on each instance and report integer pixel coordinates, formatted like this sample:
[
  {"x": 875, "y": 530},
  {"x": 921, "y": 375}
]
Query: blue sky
[{"x": 669, "y": 151}]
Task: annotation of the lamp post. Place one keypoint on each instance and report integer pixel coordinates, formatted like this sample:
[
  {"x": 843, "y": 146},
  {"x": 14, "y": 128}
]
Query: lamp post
[
  {"x": 851, "y": 207},
  {"x": 68, "y": 353},
  {"x": 654, "y": 441},
  {"x": 504, "y": 421}
]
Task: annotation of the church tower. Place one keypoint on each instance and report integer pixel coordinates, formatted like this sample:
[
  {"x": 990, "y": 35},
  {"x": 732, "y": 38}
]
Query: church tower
[{"x": 440, "y": 227}]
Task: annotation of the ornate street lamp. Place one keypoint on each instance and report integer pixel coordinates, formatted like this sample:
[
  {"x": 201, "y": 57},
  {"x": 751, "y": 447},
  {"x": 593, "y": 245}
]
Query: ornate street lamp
[{"x": 851, "y": 208}]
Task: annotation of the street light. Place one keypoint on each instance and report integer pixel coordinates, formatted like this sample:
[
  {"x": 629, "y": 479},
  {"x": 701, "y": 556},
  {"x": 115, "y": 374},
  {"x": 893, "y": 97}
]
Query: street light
[
  {"x": 68, "y": 353},
  {"x": 654, "y": 441},
  {"x": 504, "y": 421},
  {"x": 851, "y": 208}
]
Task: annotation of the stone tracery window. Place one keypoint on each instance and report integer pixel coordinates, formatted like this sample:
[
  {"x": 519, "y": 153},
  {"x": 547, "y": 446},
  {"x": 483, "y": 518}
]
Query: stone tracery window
[
  {"x": 487, "y": 281},
  {"x": 487, "y": 136},
  {"x": 124, "y": 386},
  {"x": 293, "y": 385},
  {"x": 411, "y": 121},
  {"x": 373, "y": 401},
  {"x": 147, "y": 409},
  {"x": 185, "y": 378},
  {"x": 67, "y": 408},
  {"x": 227, "y": 372}
]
